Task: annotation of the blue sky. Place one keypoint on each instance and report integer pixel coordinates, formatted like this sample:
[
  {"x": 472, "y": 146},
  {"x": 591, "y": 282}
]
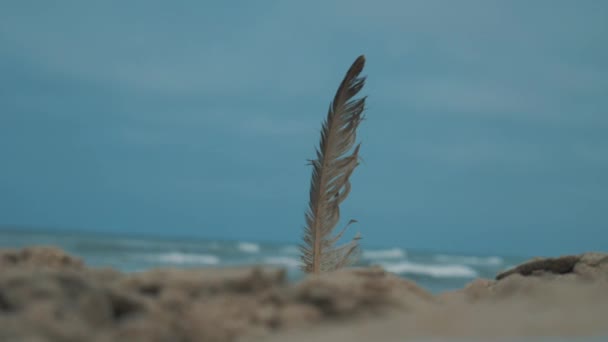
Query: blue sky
[{"x": 486, "y": 122}]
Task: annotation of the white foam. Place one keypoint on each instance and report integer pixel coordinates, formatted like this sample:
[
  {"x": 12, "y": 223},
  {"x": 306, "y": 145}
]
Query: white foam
[
  {"x": 188, "y": 258},
  {"x": 283, "y": 261},
  {"x": 470, "y": 260},
  {"x": 248, "y": 247},
  {"x": 436, "y": 271},
  {"x": 393, "y": 253}
]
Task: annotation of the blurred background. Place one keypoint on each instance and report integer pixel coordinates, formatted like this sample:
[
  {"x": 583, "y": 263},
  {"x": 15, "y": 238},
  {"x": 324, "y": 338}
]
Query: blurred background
[{"x": 148, "y": 133}]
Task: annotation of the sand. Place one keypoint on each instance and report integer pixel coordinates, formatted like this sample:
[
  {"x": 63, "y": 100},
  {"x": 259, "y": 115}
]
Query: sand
[{"x": 48, "y": 295}]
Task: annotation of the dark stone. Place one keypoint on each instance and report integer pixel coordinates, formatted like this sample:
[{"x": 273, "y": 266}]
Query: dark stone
[{"x": 561, "y": 265}]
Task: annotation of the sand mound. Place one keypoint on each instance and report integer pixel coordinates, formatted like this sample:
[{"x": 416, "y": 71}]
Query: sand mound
[{"x": 47, "y": 295}]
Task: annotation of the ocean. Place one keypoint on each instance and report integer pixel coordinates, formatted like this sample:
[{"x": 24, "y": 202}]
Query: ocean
[{"x": 437, "y": 272}]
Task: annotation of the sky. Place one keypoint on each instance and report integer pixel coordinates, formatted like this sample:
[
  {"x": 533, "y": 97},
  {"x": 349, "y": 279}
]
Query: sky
[{"x": 485, "y": 125}]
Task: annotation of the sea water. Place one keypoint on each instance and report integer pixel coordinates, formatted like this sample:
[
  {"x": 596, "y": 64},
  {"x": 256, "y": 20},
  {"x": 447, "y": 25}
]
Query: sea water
[{"x": 436, "y": 272}]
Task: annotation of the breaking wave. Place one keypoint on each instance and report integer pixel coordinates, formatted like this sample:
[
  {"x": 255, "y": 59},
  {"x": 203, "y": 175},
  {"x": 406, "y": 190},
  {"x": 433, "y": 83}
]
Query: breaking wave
[
  {"x": 178, "y": 258},
  {"x": 248, "y": 247},
  {"x": 393, "y": 253},
  {"x": 470, "y": 260},
  {"x": 435, "y": 271}
]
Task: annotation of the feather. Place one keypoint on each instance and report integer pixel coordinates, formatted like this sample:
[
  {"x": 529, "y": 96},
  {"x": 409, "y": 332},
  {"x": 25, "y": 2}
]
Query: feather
[{"x": 330, "y": 183}]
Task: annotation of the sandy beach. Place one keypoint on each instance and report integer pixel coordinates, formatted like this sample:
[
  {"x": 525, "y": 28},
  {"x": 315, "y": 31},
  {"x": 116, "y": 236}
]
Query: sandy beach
[{"x": 48, "y": 295}]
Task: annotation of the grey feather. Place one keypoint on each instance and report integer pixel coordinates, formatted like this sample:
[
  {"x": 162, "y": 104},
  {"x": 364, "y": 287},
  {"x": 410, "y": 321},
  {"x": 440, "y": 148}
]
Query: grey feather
[{"x": 336, "y": 160}]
